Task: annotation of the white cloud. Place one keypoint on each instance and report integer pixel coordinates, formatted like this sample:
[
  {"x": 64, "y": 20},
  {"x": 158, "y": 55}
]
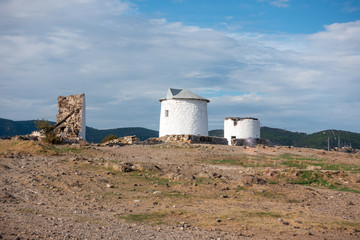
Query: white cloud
[
  {"x": 277, "y": 3},
  {"x": 50, "y": 8},
  {"x": 339, "y": 38},
  {"x": 124, "y": 64},
  {"x": 350, "y": 6}
]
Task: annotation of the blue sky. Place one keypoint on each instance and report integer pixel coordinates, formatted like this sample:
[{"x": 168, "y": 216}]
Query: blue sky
[
  {"x": 293, "y": 64},
  {"x": 267, "y": 16}
]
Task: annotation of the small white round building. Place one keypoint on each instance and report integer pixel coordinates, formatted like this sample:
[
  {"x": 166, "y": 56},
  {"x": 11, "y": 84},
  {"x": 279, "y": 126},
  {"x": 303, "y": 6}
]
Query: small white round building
[
  {"x": 241, "y": 128},
  {"x": 183, "y": 112}
]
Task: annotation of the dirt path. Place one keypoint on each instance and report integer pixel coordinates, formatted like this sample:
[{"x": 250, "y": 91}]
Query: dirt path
[{"x": 177, "y": 191}]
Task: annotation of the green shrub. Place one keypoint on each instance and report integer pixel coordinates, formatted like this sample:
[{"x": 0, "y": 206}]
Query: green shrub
[
  {"x": 46, "y": 127},
  {"x": 109, "y": 138}
]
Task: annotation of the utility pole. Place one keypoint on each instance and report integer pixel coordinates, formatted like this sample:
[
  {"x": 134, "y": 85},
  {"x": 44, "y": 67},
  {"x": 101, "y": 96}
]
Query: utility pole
[{"x": 328, "y": 143}]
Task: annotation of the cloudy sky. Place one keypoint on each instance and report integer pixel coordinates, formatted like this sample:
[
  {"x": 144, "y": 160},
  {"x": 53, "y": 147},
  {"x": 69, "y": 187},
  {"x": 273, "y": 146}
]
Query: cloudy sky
[{"x": 294, "y": 64}]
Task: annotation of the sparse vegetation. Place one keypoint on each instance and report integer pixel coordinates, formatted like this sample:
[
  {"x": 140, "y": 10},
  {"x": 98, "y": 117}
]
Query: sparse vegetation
[
  {"x": 63, "y": 149},
  {"x": 24, "y": 147},
  {"x": 224, "y": 161},
  {"x": 303, "y": 163},
  {"x": 47, "y": 128},
  {"x": 154, "y": 218},
  {"x": 276, "y": 136},
  {"x": 109, "y": 138},
  {"x": 260, "y": 214},
  {"x": 318, "y": 178},
  {"x": 179, "y": 187}
]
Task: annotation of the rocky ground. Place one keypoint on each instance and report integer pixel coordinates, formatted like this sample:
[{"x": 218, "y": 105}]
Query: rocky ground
[{"x": 177, "y": 191}]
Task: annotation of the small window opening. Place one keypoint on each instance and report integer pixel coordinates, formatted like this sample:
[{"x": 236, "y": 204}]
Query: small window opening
[{"x": 166, "y": 113}]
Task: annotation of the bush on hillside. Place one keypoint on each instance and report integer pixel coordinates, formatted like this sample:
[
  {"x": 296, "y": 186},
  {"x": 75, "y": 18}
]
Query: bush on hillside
[
  {"x": 46, "y": 128},
  {"x": 109, "y": 138}
]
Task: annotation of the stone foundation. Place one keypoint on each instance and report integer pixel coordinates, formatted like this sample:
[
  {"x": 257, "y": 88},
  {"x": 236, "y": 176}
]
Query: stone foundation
[
  {"x": 187, "y": 138},
  {"x": 250, "y": 142},
  {"x": 121, "y": 141}
]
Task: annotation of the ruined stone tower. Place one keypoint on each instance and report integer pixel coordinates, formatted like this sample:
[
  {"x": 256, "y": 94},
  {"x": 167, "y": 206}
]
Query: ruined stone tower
[{"x": 72, "y": 109}]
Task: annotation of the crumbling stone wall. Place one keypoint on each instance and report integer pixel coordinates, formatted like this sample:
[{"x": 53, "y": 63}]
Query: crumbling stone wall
[
  {"x": 75, "y": 126},
  {"x": 188, "y": 138},
  {"x": 123, "y": 141},
  {"x": 250, "y": 142}
]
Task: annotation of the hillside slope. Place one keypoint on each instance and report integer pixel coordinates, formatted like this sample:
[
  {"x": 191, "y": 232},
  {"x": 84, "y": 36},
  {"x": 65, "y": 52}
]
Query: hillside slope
[
  {"x": 276, "y": 136},
  {"x": 317, "y": 140},
  {"x": 95, "y": 135},
  {"x": 12, "y": 128}
]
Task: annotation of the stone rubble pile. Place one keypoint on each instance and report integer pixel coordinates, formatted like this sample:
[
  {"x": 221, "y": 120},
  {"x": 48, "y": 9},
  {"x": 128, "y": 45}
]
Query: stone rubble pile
[
  {"x": 250, "y": 142},
  {"x": 187, "y": 138},
  {"x": 122, "y": 141}
]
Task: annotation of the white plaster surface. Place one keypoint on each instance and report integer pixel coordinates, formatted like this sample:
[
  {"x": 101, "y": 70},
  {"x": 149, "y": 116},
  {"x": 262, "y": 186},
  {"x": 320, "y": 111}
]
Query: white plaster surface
[
  {"x": 186, "y": 116},
  {"x": 242, "y": 129},
  {"x": 82, "y": 133}
]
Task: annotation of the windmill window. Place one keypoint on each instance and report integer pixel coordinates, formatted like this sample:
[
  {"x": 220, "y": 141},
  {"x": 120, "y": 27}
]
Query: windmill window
[{"x": 166, "y": 113}]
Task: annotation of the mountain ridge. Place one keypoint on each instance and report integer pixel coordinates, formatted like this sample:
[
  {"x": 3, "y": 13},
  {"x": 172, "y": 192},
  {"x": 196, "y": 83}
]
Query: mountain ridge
[{"x": 277, "y": 136}]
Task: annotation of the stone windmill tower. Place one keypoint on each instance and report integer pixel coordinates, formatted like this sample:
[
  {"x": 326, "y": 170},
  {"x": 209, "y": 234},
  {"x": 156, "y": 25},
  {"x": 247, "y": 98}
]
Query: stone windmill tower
[
  {"x": 241, "y": 128},
  {"x": 71, "y": 122},
  {"x": 183, "y": 112}
]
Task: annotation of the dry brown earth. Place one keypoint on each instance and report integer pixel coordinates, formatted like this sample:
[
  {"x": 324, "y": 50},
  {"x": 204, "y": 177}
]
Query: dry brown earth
[{"x": 177, "y": 191}]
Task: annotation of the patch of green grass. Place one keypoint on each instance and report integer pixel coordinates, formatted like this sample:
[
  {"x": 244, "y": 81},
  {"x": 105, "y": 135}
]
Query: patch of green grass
[
  {"x": 33, "y": 211},
  {"x": 158, "y": 180},
  {"x": 174, "y": 194},
  {"x": 345, "y": 223},
  {"x": 260, "y": 214},
  {"x": 109, "y": 195},
  {"x": 293, "y": 201},
  {"x": 204, "y": 180},
  {"x": 252, "y": 164},
  {"x": 239, "y": 188},
  {"x": 267, "y": 194},
  {"x": 296, "y": 164},
  {"x": 341, "y": 166},
  {"x": 273, "y": 182},
  {"x": 303, "y": 163},
  {"x": 64, "y": 149},
  {"x": 288, "y": 156},
  {"x": 154, "y": 218},
  {"x": 82, "y": 219},
  {"x": 149, "y": 176},
  {"x": 224, "y": 161},
  {"x": 342, "y": 189},
  {"x": 317, "y": 178},
  {"x": 310, "y": 177},
  {"x": 27, "y": 210}
]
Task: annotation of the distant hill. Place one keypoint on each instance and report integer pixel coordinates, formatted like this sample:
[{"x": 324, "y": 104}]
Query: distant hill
[
  {"x": 95, "y": 135},
  {"x": 12, "y": 128},
  {"x": 276, "y": 136},
  {"x": 317, "y": 140}
]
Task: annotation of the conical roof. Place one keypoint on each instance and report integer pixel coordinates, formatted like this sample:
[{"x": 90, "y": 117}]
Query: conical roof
[{"x": 182, "y": 94}]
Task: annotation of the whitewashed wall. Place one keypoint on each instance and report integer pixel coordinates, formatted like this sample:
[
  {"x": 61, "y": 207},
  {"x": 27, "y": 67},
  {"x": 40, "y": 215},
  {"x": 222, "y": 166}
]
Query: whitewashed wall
[
  {"x": 186, "y": 116},
  {"x": 83, "y": 121},
  {"x": 244, "y": 128}
]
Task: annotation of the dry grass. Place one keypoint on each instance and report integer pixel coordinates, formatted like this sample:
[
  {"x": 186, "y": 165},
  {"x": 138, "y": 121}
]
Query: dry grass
[{"x": 24, "y": 147}]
